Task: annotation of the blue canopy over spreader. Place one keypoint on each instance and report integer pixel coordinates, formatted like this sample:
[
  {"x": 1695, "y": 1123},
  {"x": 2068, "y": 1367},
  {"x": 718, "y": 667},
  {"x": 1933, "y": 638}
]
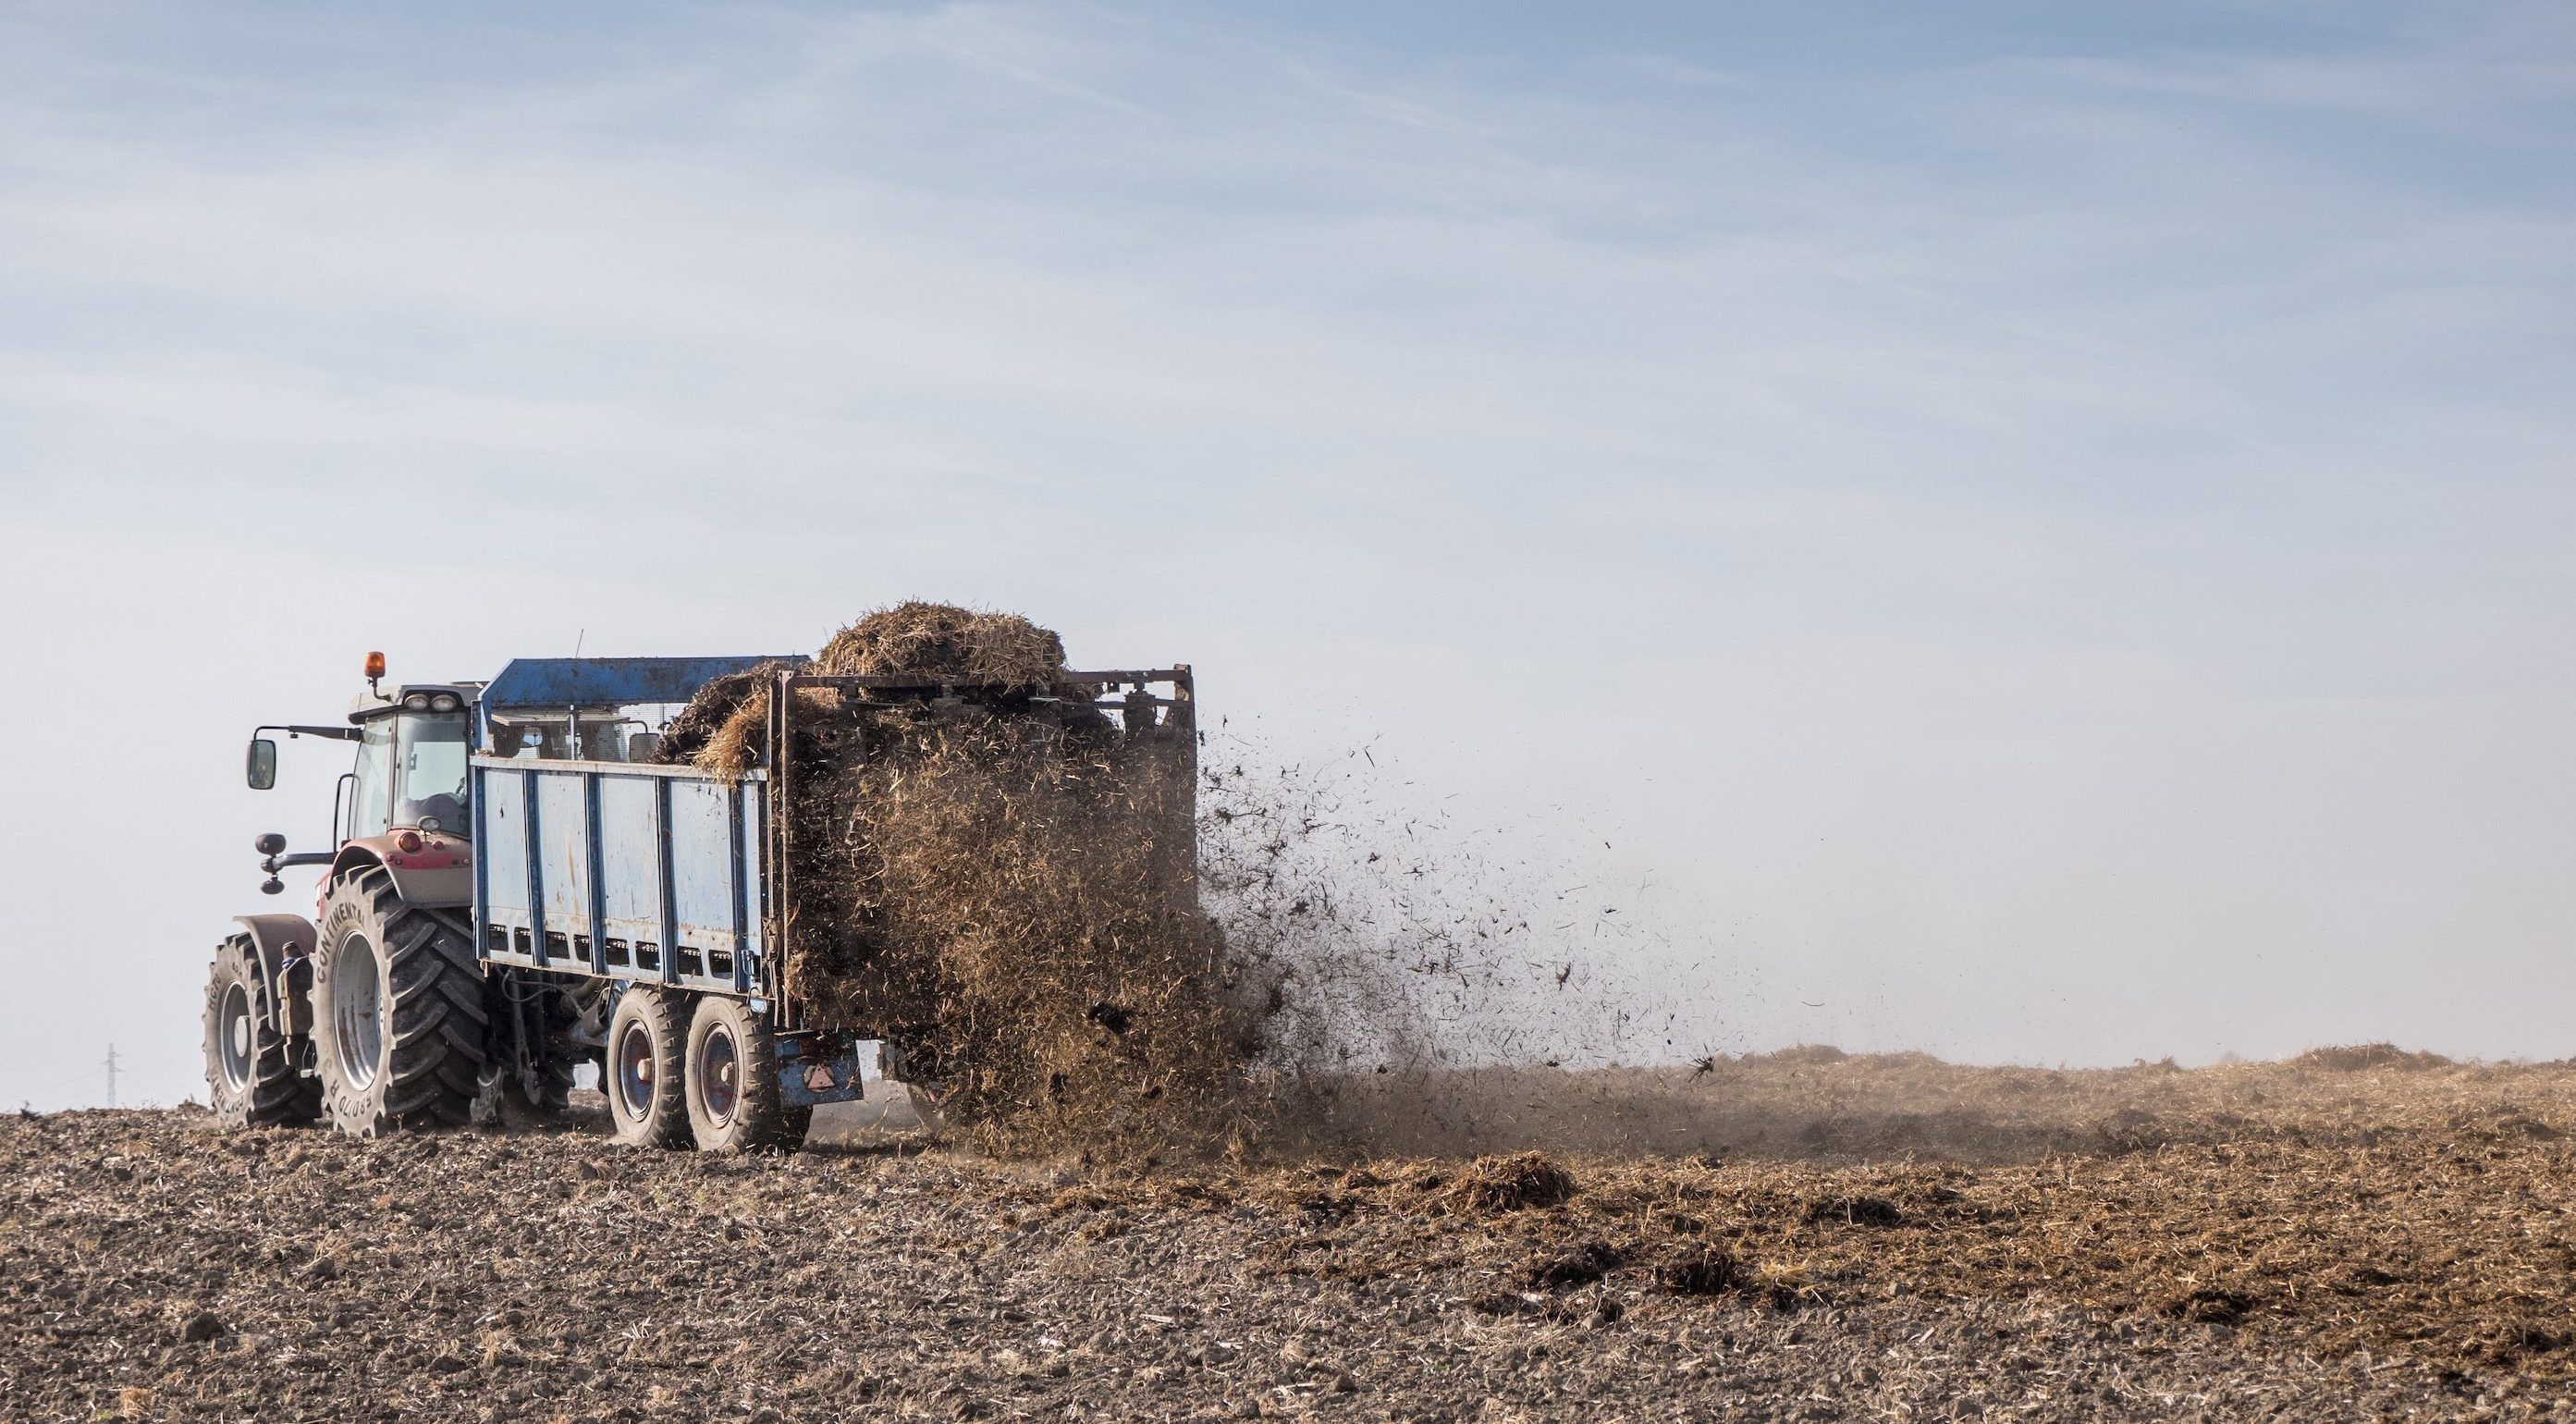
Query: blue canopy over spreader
[{"x": 613, "y": 682}]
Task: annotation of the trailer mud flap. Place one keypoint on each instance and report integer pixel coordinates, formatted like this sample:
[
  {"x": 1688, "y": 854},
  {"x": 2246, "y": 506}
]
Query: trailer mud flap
[{"x": 812, "y": 1071}]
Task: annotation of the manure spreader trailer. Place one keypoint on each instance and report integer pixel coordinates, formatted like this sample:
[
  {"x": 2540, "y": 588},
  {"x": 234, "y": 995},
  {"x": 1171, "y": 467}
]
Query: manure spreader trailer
[{"x": 515, "y": 886}]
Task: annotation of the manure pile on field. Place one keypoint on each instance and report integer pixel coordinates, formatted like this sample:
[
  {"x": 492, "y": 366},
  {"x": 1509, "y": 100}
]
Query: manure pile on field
[{"x": 1003, "y": 888}]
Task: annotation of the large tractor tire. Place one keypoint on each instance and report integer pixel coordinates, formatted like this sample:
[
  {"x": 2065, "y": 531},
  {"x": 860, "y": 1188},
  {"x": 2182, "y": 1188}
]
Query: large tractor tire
[
  {"x": 648, "y": 1053},
  {"x": 252, "y": 1078},
  {"x": 733, "y": 1082},
  {"x": 398, "y": 1018}
]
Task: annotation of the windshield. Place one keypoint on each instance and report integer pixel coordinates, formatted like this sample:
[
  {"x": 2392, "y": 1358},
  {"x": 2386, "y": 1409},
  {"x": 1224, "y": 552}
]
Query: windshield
[{"x": 431, "y": 753}]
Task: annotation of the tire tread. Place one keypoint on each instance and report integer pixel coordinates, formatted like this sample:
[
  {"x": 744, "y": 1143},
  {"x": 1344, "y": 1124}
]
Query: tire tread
[{"x": 435, "y": 1017}]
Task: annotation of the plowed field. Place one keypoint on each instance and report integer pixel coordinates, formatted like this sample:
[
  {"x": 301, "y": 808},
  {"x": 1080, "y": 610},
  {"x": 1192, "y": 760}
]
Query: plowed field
[{"x": 1796, "y": 1237}]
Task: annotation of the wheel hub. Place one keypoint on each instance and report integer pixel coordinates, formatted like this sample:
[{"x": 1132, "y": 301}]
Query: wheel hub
[
  {"x": 357, "y": 1011},
  {"x": 233, "y": 1035},
  {"x": 719, "y": 1070},
  {"x": 635, "y": 1070}
]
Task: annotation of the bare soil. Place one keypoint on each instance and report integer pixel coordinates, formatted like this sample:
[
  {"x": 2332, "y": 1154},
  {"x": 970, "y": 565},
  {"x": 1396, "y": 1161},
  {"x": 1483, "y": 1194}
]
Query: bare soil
[{"x": 1801, "y": 1237}]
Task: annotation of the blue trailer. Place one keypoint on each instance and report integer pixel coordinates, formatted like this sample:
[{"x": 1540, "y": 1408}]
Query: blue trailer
[{"x": 518, "y": 884}]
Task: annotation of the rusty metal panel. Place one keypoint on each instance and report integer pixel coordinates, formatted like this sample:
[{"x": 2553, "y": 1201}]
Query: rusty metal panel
[{"x": 813, "y": 1070}]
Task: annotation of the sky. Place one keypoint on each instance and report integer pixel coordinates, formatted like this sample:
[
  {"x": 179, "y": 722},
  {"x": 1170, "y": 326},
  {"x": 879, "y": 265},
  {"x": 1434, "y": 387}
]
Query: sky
[{"x": 2036, "y": 533}]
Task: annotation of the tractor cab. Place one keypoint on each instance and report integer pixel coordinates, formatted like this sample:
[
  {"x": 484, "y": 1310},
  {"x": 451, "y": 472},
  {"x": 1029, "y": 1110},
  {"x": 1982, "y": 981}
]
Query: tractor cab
[
  {"x": 408, "y": 780},
  {"x": 411, "y": 765}
]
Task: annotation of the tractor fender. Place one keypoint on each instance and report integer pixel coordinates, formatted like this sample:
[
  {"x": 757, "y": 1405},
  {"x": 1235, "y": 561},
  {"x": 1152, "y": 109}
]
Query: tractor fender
[
  {"x": 437, "y": 876},
  {"x": 282, "y": 947}
]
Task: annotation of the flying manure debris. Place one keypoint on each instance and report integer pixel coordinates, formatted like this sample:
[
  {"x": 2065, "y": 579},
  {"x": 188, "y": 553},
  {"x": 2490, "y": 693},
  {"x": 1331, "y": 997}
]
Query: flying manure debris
[
  {"x": 1086, "y": 938},
  {"x": 1004, "y": 887}
]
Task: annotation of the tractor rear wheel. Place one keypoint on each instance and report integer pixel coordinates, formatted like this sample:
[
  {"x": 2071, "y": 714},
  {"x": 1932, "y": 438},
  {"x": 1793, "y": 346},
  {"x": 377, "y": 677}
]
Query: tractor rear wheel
[
  {"x": 733, "y": 1082},
  {"x": 398, "y": 1019},
  {"x": 252, "y": 1079},
  {"x": 647, "y": 1061}
]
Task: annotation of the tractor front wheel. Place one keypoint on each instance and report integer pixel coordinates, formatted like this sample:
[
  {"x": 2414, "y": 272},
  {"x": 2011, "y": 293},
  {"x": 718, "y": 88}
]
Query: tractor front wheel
[{"x": 398, "y": 1018}]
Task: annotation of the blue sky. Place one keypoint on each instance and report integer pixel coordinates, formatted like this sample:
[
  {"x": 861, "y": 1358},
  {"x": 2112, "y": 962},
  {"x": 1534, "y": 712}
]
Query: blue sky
[{"x": 2040, "y": 530}]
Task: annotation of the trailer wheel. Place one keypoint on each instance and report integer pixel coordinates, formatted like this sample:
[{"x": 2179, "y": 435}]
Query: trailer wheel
[
  {"x": 397, "y": 1011},
  {"x": 733, "y": 1082},
  {"x": 251, "y": 1075},
  {"x": 647, "y": 1053}
]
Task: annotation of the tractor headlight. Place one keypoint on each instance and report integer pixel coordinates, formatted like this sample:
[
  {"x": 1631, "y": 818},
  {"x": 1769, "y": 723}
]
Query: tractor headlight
[
  {"x": 416, "y": 702},
  {"x": 444, "y": 702}
]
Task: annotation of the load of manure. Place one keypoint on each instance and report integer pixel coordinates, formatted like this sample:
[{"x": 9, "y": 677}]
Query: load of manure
[{"x": 1002, "y": 887}]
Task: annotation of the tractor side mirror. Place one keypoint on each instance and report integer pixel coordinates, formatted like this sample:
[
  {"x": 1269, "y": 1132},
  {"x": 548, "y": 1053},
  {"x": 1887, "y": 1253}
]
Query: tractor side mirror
[{"x": 263, "y": 763}]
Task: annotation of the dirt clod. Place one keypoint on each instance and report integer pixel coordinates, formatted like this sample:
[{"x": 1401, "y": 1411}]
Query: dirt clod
[
  {"x": 1578, "y": 1265},
  {"x": 2211, "y": 1305},
  {"x": 1856, "y": 1211},
  {"x": 1702, "y": 1271}
]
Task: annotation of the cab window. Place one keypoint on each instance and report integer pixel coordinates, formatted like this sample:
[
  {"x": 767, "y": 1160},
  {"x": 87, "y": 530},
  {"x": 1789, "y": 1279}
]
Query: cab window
[
  {"x": 432, "y": 756},
  {"x": 372, "y": 800}
]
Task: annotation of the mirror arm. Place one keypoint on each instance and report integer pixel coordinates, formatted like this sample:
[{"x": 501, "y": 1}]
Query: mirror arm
[{"x": 336, "y": 734}]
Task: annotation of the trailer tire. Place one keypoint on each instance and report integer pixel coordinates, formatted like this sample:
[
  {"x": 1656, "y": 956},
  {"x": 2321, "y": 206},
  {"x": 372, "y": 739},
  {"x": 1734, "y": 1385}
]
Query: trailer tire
[
  {"x": 733, "y": 1088},
  {"x": 648, "y": 1048},
  {"x": 398, "y": 1021},
  {"x": 252, "y": 1078}
]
